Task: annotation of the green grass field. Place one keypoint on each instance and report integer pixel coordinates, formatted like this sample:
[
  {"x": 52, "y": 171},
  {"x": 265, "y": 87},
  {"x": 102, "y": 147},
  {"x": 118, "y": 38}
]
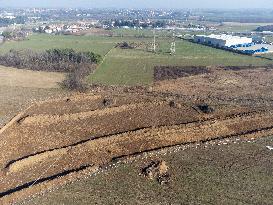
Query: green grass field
[
  {"x": 134, "y": 66},
  {"x": 238, "y": 28},
  {"x": 41, "y": 42}
]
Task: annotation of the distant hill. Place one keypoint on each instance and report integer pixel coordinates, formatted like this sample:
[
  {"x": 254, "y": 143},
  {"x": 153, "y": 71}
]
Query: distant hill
[{"x": 265, "y": 28}]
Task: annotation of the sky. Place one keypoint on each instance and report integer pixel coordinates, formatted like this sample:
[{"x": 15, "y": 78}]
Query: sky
[{"x": 228, "y": 4}]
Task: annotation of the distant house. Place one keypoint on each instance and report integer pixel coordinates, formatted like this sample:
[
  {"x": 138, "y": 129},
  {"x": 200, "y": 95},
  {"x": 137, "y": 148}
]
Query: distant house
[
  {"x": 125, "y": 27},
  {"x": 48, "y": 31}
]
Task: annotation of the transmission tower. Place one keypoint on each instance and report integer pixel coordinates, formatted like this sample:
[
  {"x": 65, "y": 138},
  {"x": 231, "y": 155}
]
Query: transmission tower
[
  {"x": 154, "y": 45},
  {"x": 173, "y": 45}
]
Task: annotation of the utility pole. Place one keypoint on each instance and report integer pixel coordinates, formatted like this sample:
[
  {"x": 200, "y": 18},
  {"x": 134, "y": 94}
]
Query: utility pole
[{"x": 173, "y": 45}]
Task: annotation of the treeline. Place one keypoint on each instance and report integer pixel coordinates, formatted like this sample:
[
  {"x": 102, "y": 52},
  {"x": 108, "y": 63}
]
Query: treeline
[
  {"x": 78, "y": 65},
  {"x": 57, "y": 60},
  {"x": 137, "y": 23},
  {"x": 265, "y": 28},
  {"x": 17, "y": 34},
  {"x": 4, "y": 22}
]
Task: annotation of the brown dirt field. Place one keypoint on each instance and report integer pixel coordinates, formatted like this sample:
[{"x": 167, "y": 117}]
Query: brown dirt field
[
  {"x": 52, "y": 140},
  {"x": 216, "y": 172},
  {"x": 41, "y": 143},
  {"x": 14, "y": 99},
  {"x": 246, "y": 86},
  {"x": 174, "y": 72}
]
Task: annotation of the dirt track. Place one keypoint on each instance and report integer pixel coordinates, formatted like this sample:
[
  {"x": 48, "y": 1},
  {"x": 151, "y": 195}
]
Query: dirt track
[{"x": 57, "y": 137}]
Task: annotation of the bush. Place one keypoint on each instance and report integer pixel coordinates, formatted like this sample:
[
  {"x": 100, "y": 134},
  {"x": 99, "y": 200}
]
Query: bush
[
  {"x": 76, "y": 79},
  {"x": 58, "y": 60},
  {"x": 77, "y": 64}
]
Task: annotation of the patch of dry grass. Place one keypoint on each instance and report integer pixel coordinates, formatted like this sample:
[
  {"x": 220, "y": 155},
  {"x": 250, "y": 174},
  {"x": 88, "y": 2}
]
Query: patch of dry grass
[{"x": 26, "y": 78}]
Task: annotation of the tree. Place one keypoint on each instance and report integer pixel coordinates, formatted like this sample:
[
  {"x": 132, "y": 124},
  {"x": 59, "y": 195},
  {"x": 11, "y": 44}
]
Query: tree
[{"x": 7, "y": 34}]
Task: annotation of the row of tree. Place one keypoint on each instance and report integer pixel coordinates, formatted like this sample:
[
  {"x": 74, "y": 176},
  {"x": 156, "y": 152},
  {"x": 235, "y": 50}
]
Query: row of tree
[
  {"x": 137, "y": 23},
  {"x": 58, "y": 60},
  {"x": 4, "y": 22},
  {"x": 265, "y": 28}
]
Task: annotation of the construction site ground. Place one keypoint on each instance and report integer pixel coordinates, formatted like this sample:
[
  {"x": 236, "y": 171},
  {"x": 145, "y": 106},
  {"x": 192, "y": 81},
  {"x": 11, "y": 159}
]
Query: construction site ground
[{"x": 62, "y": 140}]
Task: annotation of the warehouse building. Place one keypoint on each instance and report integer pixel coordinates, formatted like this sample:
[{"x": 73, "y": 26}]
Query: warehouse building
[{"x": 224, "y": 41}]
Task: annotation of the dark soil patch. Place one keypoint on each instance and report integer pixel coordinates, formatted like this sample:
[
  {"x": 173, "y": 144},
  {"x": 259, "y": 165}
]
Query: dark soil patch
[
  {"x": 238, "y": 68},
  {"x": 125, "y": 45},
  {"x": 205, "y": 108},
  {"x": 174, "y": 72}
]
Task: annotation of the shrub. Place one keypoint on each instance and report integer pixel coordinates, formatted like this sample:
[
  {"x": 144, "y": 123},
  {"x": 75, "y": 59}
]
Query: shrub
[
  {"x": 76, "y": 79},
  {"x": 58, "y": 60}
]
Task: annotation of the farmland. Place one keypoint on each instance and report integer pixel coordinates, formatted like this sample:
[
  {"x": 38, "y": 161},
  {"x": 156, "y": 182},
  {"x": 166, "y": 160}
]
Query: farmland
[
  {"x": 134, "y": 66},
  {"x": 18, "y": 88},
  {"x": 43, "y": 42},
  {"x": 197, "y": 122},
  {"x": 96, "y": 107},
  {"x": 226, "y": 110},
  {"x": 240, "y": 27}
]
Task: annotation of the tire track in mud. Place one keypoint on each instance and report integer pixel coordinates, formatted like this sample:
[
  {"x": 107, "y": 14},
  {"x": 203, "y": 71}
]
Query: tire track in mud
[
  {"x": 246, "y": 114},
  {"x": 104, "y": 150},
  {"x": 40, "y": 123},
  {"x": 93, "y": 131},
  {"x": 39, "y": 133}
]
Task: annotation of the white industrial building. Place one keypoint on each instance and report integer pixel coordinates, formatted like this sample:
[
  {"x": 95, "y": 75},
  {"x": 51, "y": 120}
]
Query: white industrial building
[{"x": 222, "y": 40}]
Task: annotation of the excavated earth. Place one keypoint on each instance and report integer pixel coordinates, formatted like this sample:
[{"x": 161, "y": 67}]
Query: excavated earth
[{"x": 52, "y": 139}]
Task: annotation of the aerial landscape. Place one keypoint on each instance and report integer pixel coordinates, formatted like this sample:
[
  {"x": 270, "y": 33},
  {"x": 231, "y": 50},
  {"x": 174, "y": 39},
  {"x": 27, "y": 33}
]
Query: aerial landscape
[{"x": 143, "y": 102}]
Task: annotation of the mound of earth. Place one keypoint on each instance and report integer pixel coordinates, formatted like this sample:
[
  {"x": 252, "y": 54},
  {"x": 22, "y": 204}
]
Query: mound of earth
[{"x": 157, "y": 170}]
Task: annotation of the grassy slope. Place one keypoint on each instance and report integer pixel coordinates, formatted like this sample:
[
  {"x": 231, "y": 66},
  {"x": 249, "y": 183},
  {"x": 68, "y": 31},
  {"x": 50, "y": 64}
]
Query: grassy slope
[
  {"x": 198, "y": 176},
  {"x": 41, "y": 42},
  {"x": 131, "y": 67},
  {"x": 238, "y": 28}
]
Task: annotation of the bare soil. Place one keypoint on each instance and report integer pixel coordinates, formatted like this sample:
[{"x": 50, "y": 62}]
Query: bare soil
[
  {"x": 174, "y": 72},
  {"x": 224, "y": 85},
  {"x": 47, "y": 142}
]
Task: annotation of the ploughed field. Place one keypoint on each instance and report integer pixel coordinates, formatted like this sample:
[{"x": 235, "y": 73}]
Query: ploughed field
[{"x": 46, "y": 144}]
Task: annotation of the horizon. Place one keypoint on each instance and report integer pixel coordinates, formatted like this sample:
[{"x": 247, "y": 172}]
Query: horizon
[
  {"x": 139, "y": 4},
  {"x": 136, "y": 8}
]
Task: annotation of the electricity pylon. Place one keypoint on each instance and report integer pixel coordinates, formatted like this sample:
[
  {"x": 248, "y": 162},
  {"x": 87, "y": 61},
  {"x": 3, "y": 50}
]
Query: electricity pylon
[
  {"x": 173, "y": 46},
  {"x": 154, "y": 45}
]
